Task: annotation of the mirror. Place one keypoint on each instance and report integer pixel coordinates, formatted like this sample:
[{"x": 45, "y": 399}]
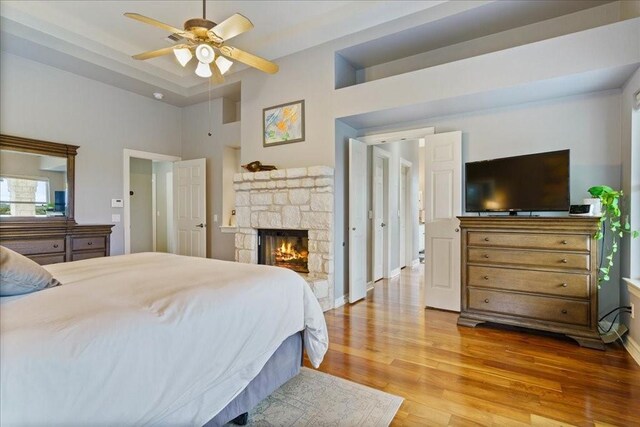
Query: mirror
[
  {"x": 32, "y": 185},
  {"x": 36, "y": 181}
]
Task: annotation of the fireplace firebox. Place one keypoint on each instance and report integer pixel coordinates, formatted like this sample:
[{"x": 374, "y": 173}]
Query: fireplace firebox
[{"x": 284, "y": 248}]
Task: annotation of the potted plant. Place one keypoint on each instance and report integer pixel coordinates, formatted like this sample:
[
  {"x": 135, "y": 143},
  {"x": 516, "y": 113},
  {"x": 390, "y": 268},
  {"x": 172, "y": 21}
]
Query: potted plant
[{"x": 612, "y": 219}]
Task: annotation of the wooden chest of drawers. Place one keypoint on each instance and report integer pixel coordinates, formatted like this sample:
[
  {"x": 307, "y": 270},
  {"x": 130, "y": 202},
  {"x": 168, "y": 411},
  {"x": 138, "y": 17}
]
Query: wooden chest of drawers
[
  {"x": 54, "y": 244},
  {"x": 539, "y": 273}
]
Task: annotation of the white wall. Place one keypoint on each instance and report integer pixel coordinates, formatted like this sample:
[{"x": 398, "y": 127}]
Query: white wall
[
  {"x": 230, "y": 166},
  {"x": 140, "y": 171},
  {"x": 196, "y": 143},
  {"x": 588, "y": 125},
  {"x": 43, "y": 102}
]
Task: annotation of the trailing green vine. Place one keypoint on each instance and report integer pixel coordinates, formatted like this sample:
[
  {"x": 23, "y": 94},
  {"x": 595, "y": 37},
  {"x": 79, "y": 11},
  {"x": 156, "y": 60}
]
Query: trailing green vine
[{"x": 612, "y": 216}]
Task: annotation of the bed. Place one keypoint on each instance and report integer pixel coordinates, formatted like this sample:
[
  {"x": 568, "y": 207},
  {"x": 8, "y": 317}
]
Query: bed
[{"x": 154, "y": 339}]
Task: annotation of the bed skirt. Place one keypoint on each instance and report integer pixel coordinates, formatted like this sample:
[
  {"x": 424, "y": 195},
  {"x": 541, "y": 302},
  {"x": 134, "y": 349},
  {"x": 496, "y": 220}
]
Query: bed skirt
[{"x": 283, "y": 365}]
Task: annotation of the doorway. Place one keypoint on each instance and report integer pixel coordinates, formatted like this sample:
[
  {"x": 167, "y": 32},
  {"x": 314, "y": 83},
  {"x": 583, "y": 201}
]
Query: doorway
[
  {"x": 148, "y": 208},
  {"x": 408, "y": 207},
  {"x": 380, "y": 208}
]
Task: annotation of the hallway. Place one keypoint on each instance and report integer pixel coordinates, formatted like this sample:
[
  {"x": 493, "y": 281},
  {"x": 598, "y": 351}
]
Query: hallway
[{"x": 450, "y": 375}]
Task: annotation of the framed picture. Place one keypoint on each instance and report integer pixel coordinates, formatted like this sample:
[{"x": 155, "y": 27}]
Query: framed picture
[{"x": 283, "y": 124}]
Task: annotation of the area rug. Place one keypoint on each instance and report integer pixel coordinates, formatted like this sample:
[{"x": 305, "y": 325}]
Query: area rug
[{"x": 314, "y": 398}]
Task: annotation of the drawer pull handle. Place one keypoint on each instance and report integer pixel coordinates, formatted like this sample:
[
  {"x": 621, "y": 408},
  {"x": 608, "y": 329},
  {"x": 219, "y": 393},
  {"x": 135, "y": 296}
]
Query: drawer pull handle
[
  {"x": 564, "y": 285},
  {"x": 486, "y": 255},
  {"x": 55, "y": 245},
  {"x": 89, "y": 243},
  {"x": 564, "y": 261},
  {"x": 486, "y": 239},
  {"x": 486, "y": 277},
  {"x": 564, "y": 311},
  {"x": 564, "y": 242},
  {"x": 486, "y": 300}
]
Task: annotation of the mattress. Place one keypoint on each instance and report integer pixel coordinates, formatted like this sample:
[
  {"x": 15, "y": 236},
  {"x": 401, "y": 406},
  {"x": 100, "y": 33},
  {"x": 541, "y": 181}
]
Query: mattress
[{"x": 155, "y": 338}]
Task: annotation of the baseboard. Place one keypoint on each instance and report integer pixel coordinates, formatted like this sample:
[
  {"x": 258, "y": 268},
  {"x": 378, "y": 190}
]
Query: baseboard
[
  {"x": 340, "y": 301},
  {"x": 415, "y": 263},
  {"x": 369, "y": 286},
  {"x": 633, "y": 348},
  {"x": 395, "y": 272}
]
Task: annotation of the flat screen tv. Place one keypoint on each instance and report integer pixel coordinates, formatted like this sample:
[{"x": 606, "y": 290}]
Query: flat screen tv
[{"x": 530, "y": 183}]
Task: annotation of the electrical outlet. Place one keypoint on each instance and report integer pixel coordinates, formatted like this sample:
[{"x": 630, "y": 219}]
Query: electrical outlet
[{"x": 633, "y": 311}]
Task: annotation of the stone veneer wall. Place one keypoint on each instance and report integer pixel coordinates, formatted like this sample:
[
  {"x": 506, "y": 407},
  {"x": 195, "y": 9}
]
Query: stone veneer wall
[{"x": 297, "y": 199}]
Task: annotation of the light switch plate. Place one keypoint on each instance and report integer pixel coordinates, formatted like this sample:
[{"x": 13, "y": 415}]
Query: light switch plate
[
  {"x": 115, "y": 217},
  {"x": 215, "y": 218},
  {"x": 117, "y": 203}
]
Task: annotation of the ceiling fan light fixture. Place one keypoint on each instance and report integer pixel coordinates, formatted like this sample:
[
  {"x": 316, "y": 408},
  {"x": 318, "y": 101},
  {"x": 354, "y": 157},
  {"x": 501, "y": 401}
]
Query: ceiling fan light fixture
[
  {"x": 203, "y": 70},
  {"x": 223, "y": 64},
  {"x": 183, "y": 55},
  {"x": 205, "y": 53}
]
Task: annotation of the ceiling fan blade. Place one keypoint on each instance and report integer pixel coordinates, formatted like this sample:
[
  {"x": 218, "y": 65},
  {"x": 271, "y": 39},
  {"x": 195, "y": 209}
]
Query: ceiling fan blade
[
  {"x": 158, "y": 52},
  {"x": 155, "y": 23},
  {"x": 217, "y": 76},
  {"x": 232, "y": 26},
  {"x": 249, "y": 59}
]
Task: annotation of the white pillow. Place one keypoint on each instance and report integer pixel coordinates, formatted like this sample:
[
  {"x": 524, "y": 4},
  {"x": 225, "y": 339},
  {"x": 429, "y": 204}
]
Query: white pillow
[{"x": 20, "y": 275}]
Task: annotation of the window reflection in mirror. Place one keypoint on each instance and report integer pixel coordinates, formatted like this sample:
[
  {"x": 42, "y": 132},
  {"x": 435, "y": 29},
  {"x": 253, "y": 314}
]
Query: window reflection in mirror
[{"x": 32, "y": 185}]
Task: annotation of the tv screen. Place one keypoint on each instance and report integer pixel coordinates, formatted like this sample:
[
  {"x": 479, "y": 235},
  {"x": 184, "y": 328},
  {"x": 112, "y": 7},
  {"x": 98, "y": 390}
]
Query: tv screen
[{"x": 535, "y": 182}]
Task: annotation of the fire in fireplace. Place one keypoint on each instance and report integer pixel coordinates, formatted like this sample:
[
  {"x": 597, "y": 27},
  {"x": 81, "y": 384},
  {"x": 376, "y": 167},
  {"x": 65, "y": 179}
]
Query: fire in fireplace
[{"x": 284, "y": 248}]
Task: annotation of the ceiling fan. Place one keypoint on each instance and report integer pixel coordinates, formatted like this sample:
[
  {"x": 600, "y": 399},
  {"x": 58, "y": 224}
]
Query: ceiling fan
[{"x": 207, "y": 40}]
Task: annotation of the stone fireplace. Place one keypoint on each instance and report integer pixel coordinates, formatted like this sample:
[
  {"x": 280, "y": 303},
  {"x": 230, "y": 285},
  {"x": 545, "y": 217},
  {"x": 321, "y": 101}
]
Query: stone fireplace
[{"x": 298, "y": 200}]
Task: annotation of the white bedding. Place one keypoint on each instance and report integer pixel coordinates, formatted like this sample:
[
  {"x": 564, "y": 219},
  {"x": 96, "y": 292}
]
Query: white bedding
[{"x": 147, "y": 339}]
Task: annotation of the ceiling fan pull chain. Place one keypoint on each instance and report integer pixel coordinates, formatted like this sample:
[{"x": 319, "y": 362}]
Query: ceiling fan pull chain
[
  {"x": 209, "y": 118},
  {"x": 204, "y": 9}
]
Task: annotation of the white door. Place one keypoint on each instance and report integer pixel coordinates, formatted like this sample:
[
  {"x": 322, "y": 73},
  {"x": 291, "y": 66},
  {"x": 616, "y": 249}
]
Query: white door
[
  {"x": 443, "y": 191},
  {"x": 378, "y": 215},
  {"x": 189, "y": 193},
  {"x": 357, "y": 220},
  {"x": 402, "y": 216}
]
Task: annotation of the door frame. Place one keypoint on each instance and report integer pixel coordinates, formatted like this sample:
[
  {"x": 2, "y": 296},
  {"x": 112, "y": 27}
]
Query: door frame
[
  {"x": 126, "y": 187},
  {"x": 408, "y": 211}
]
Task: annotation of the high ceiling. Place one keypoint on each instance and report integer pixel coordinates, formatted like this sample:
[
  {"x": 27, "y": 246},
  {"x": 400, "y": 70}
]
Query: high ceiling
[
  {"x": 92, "y": 38},
  {"x": 95, "y": 33}
]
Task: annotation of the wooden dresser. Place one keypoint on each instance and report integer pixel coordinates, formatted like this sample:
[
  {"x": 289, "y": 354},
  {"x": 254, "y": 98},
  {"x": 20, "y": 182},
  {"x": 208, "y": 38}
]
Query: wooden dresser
[
  {"x": 51, "y": 244},
  {"x": 43, "y": 238},
  {"x": 534, "y": 272}
]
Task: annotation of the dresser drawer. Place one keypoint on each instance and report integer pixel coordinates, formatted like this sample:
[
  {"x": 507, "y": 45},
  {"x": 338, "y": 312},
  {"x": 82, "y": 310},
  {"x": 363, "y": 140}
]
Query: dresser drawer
[
  {"x": 564, "y": 242},
  {"x": 530, "y": 306},
  {"x": 77, "y": 256},
  {"x": 543, "y": 282},
  {"x": 529, "y": 258},
  {"x": 29, "y": 247},
  {"x": 88, "y": 243},
  {"x": 48, "y": 258}
]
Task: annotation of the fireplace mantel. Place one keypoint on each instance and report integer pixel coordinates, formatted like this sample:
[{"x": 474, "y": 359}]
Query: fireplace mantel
[{"x": 298, "y": 199}]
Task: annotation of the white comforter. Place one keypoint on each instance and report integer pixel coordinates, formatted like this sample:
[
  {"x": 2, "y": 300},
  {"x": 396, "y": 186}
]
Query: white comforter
[{"x": 147, "y": 339}]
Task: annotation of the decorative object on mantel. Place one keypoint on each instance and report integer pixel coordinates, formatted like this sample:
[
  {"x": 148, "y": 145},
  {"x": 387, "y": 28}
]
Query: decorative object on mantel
[
  {"x": 611, "y": 214},
  {"x": 283, "y": 124},
  {"x": 207, "y": 40},
  {"x": 232, "y": 219},
  {"x": 257, "y": 166}
]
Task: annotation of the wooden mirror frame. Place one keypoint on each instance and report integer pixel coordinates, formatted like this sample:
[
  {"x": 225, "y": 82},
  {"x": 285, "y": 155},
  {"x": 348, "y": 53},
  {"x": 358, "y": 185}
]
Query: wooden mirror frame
[{"x": 26, "y": 145}]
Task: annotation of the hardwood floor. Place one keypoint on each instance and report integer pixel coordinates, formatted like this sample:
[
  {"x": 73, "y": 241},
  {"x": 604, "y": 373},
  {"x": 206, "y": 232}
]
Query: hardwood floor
[{"x": 450, "y": 375}]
